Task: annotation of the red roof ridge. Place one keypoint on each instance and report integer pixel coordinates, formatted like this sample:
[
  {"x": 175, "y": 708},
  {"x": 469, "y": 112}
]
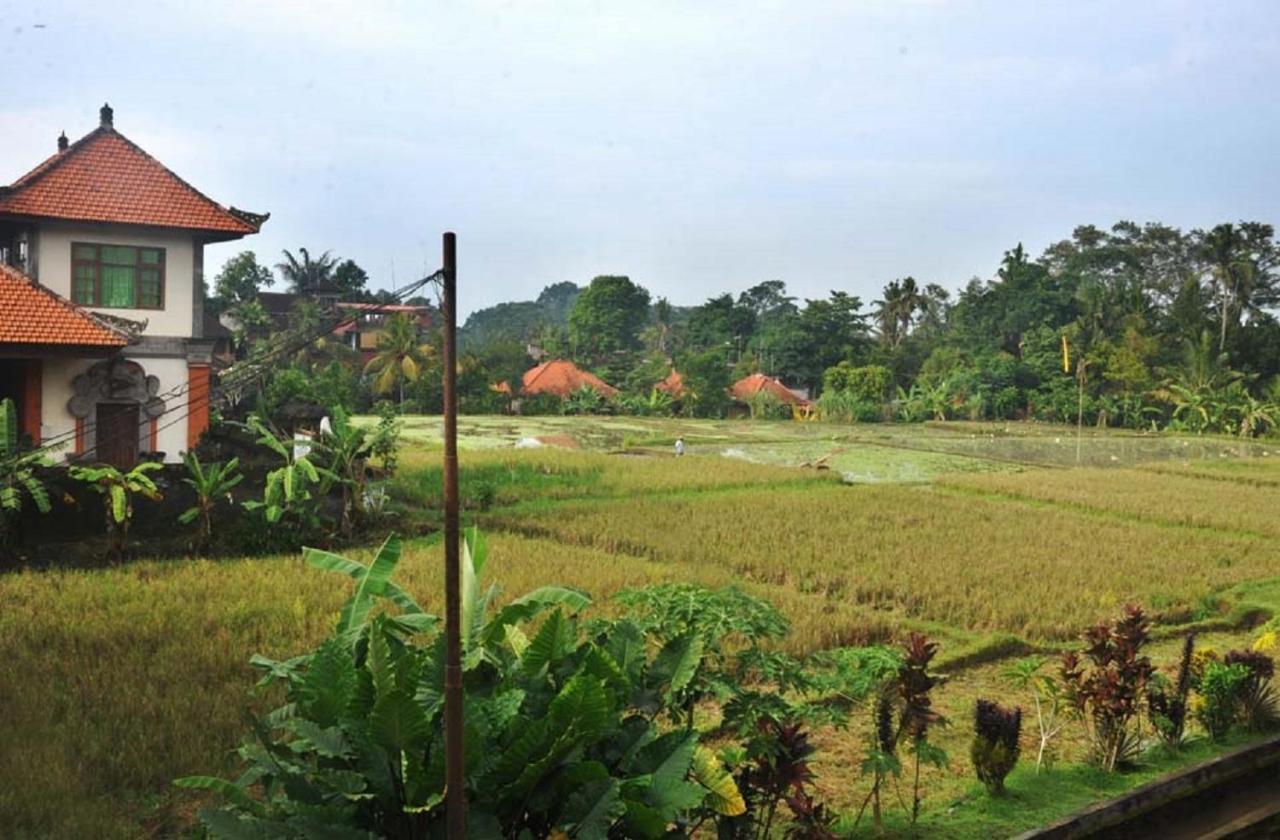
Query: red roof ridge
[
  {"x": 232, "y": 219},
  {"x": 34, "y": 314},
  {"x": 573, "y": 376}
]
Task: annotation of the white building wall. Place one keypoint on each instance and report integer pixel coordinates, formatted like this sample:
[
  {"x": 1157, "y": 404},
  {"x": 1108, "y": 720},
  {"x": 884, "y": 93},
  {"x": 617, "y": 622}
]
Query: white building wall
[
  {"x": 56, "y": 391},
  {"x": 53, "y": 269},
  {"x": 55, "y": 386}
]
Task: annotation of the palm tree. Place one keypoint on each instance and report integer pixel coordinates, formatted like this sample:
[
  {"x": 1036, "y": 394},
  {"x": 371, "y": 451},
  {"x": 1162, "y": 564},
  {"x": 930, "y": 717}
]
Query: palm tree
[
  {"x": 400, "y": 357},
  {"x": 910, "y": 301},
  {"x": 887, "y": 313},
  {"x": 307, "y": 275},
  {"x": 1242, "y": 266}
]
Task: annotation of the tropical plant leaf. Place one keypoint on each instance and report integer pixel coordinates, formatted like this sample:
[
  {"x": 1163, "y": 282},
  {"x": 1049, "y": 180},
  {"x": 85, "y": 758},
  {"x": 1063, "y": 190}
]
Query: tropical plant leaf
[
  {"x": 677, "y": 663},
  {"x": 593, "y": 808},
  {"x": 119, "y": 504},
  {"x": 328, "y": 742},
  {"x": 554, "y": 639},
  {"x": 530, "y": 605},
  {"x": 224, "y": 825},
  {"x": 723, "y": 795},
  {"x": 329, "y": 684},
  {"x": 397, "y": 723}
]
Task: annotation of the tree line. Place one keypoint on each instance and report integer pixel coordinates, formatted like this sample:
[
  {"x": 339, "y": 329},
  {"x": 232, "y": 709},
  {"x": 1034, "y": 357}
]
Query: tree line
[{"x": 1134, "y": 325}]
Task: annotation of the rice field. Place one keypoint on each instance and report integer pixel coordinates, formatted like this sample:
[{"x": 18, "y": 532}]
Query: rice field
[
  {"x": 1228, "y": 501},
  {"x": 115, "y": 681}
]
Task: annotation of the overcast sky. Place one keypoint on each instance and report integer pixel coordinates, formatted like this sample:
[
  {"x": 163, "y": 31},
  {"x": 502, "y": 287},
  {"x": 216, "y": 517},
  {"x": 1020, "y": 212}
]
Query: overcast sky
[{"x": 698, "y": 147}]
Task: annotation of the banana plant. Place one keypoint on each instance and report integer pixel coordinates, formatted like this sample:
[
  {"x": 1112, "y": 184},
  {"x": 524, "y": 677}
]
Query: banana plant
[
  {"x": 288, "y": 489},
  {"x": 210, "y": 483},
  {"x": 118, "y": 489},
  {"x": 17, "y": 472}
]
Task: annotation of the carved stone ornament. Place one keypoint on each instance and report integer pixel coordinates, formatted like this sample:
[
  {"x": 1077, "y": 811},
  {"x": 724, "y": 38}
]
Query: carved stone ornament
[{"x": 115, "y": 380}]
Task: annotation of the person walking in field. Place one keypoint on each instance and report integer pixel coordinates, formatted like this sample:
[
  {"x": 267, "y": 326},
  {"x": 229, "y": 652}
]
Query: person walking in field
[{"x": 679, "y": 446}]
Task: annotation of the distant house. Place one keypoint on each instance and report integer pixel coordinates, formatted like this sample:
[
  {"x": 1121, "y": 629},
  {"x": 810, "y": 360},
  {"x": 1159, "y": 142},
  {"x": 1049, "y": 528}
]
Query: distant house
[
  {"x": 748, "y": 388},
  {"x": 561, "y": 378},
  {"x": 673, "y": 384},
  {"x": 101, "y": 313},
  {"x": 362, "y": 323},
  {"x": 368, "y": 319}
]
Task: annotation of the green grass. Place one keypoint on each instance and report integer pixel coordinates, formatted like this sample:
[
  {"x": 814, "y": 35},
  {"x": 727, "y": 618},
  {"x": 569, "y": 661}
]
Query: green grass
[{"x": 115, "y": 681}]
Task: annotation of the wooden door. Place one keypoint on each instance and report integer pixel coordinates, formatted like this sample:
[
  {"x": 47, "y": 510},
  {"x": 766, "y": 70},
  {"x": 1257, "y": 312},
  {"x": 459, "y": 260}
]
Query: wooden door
[{"x": 116, "y": 434}]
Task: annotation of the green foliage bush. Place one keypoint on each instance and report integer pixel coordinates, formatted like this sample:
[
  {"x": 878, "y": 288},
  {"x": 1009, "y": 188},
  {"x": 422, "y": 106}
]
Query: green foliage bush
[
  {"x": 866, "y": 383},
  {"x": 1220, "y": 689}
]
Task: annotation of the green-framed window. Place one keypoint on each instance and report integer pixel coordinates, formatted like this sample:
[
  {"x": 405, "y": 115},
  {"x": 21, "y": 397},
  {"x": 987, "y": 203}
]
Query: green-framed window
[{"x": 117, "y": 276}]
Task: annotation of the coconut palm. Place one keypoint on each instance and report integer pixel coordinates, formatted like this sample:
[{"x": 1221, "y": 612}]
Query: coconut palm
[
  {"x": 400, "y": 356},
  {"x": 887, "y": 314},
  {"x": 910, "y": 301},
  {"x": 1242, "y": 263}
]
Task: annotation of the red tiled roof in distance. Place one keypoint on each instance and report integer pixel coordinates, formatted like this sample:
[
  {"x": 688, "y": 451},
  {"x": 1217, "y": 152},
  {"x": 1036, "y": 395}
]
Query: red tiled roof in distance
[
  {"x": 744, "y": 389},
  {"x": 561, "y": 378},
  {"x": 31, "y": 314},
  {"x": 104, "y": 177},
  {"x": 673, "y": 384}
]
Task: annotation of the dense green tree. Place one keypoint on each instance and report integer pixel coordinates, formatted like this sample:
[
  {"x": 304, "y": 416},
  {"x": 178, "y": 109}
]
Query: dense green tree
[
  {"x": 352, "y": 281},
  {"x": 606, "y": 319},
  {"x": 557, "y": 299},
  {"x": 519, "y": 321},
  {"x": 239, "y": 281},
  {"x": 706, "y": 382},
  {"x": 721, "y": 323}
]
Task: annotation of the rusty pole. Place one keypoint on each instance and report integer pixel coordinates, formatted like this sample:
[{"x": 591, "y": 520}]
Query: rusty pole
[{"x": 455, "y": 791}]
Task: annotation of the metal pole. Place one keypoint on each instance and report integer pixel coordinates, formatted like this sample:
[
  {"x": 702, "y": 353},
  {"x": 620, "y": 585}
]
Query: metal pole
[{"x": 455, "y": 791}]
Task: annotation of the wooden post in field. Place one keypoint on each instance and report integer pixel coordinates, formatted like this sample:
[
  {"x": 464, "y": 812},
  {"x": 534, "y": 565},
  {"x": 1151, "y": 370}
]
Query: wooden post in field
[{"x": 455, "y": 791}]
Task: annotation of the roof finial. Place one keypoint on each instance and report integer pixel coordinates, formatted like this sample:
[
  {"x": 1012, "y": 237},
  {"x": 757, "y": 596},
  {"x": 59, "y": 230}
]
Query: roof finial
[
  {"x": 63, "y": 142},
  {"x": 106, "y": 116}
]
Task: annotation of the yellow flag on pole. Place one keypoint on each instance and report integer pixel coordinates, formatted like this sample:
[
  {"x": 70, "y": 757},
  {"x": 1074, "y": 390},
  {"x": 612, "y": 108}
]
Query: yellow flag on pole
[{"x": 1066, "y": 355}]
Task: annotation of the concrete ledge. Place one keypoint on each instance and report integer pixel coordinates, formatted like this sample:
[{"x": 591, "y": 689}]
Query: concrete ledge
[{"x": 1142, "y": 804}]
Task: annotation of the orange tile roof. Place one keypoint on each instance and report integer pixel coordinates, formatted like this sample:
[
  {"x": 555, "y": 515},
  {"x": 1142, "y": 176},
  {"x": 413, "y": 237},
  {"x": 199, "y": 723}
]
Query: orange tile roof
[
  {"x": 673, "y": 384},
  {"x": 561, "y": 378},
  {"x": 744, "y": 389},
  {"x": 32, "y": 314},
  {"x": 105, "y": 177}
]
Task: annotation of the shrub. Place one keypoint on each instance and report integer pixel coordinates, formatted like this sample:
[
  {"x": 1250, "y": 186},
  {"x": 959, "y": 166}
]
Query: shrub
[
  {"x": 540, "y": 404},
  {"x": 386, "y": 438},
  {"x": 1107, "y": 690},
  {"x": 1220, "y": 691},
  {"x": 995, "y": 743},
  {"x": 867, "y": 383},
  {"x": 1168, "y": 704},
  {"x": 1257, "y": 698}
]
